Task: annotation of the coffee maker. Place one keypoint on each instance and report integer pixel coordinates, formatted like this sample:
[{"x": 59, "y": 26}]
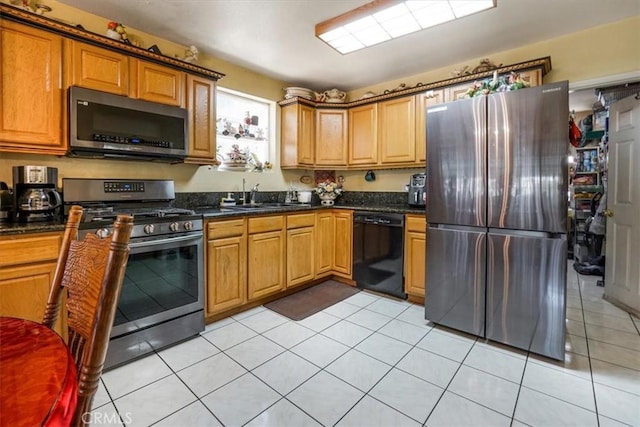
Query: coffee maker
[
  {"x": 417, "y": 190},
  {"x": 35, "y": 195}
]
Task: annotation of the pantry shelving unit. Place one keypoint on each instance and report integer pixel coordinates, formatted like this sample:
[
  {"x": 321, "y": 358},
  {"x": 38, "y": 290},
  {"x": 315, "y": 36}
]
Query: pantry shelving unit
[{"x": 587, "y": 183}]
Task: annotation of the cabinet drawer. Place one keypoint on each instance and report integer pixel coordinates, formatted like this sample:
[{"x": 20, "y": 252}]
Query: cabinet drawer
[
  {"x": 416, "y": 223},
  {"x": 266, "y": 223},
  {"x": 301, "y": 220},
  {"x": 222, "y": 229},
  {"x": 23, "y": 250}
]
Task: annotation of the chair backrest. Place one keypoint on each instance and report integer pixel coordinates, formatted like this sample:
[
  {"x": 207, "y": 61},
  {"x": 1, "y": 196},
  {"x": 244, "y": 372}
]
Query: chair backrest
[{"x": 91, "y": 271}]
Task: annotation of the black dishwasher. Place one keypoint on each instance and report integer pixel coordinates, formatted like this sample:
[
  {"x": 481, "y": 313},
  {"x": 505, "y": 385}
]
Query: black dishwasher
[{"x": 378, "y": 252}]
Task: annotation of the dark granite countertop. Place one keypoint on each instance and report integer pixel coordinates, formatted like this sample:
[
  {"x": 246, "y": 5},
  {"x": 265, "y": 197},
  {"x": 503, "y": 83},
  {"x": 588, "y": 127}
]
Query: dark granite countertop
[
  {"x": 10, "y": 228},
  {"x": 212, "y": 212},
  {"x": 215, "y": 212}
]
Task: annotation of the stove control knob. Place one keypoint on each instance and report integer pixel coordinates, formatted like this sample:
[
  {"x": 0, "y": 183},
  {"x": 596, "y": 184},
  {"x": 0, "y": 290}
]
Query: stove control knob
[
  {"x": 148, "y": 229},
  {"x": 174, "y": 226},
  {"x": 102, "y": 232},
  {"x": 188, "y": 226}
]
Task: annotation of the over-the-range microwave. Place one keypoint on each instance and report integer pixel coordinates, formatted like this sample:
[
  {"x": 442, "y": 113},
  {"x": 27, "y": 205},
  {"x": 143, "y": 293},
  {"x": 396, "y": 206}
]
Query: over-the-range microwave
[{"x": 104, "y": 125}]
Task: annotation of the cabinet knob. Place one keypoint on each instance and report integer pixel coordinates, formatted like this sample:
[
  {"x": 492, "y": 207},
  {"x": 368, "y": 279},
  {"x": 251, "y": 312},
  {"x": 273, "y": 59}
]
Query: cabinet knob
[{"x": 607, "y": 213}]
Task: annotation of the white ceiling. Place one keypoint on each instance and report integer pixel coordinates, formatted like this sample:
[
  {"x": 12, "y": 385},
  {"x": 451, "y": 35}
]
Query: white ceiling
[{"x": 276, "y": 37}]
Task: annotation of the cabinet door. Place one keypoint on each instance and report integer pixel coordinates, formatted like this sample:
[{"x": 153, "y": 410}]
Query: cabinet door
[
  {"x": 331, "y": 138},
  {"x": 363, "y": 135},
  {"x": 453, "y": 93},
  {"x": 297, "y": 135},
  {"x": 300, "y": 255},
  {"x": 324, "y": 243},
  {"x": 226, "y": 273},
  {"x": 265, "y": 264},
  {"x": 96, "y": 68},
  {"x": 424, "y": 100},
  {"x": 156, "y": 83},
  {"x": 397, "y": 130},
  {"x": 533, "y": 77},
  {"x": 343, "y": 232},
  {"x": 25, "y": 292},
  {"x": 415, "y": 261},
  {"x": 31, "y": 91},
  {"x": 201, "y": 95}
]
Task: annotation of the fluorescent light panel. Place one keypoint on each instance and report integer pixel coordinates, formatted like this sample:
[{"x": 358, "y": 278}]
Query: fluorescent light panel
[{"x": 384, "y": 20}]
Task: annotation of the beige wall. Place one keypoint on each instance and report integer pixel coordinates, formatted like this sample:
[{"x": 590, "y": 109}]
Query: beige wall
[{"x": 601, "y": 51}]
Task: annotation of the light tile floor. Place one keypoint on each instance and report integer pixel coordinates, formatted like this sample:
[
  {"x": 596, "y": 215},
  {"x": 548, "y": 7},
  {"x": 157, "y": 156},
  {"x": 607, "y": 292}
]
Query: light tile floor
[{"x": 373, "y": 361}]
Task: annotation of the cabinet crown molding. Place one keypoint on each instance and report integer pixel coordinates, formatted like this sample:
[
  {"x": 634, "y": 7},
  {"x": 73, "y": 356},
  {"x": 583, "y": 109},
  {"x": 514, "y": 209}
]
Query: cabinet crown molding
[
  {"x": 544, "y": 64},
  {"x": 22, "y": 16}
]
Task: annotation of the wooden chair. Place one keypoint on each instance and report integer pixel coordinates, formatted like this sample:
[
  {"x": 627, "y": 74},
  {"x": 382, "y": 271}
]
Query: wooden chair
[{"x": 91, "y": 271}]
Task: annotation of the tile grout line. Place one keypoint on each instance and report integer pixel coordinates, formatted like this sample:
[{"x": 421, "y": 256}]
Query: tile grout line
[{"x": 586, "y": 334}]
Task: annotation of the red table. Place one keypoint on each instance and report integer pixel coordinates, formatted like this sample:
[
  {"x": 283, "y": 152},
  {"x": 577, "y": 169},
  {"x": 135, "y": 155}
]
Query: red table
[{"x": 38, "y": 384}]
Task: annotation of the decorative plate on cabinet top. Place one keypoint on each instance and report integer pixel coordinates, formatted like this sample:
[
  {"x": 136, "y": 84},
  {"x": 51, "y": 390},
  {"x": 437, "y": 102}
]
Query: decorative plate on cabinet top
[{"x": 292, "y": 92}]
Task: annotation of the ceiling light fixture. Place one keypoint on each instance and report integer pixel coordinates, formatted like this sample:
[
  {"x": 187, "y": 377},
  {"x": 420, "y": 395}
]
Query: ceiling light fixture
[{"x": 383, "y": 20}]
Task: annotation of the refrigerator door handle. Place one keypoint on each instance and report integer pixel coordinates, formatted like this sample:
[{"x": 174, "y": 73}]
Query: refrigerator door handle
[
  {"x": 455, "y": 227},
  {"x": 527, "y": 233}
]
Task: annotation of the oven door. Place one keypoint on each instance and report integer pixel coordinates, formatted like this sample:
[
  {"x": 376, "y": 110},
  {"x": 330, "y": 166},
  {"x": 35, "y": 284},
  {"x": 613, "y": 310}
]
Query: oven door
[{"x": 164, "y": 280}]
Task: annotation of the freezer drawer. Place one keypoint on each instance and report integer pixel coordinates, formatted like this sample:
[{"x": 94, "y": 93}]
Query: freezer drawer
[
  {"x": 455, "y": 284},
  {"x": 526, "y": 292}
]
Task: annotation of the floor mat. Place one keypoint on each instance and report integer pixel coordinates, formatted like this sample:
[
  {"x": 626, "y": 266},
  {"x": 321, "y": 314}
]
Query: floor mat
[{"x": 312, "y": 300}]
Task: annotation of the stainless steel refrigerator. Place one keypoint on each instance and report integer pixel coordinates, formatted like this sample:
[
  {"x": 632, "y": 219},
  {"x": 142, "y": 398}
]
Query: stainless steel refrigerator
[{"x": 497, "y": 217}]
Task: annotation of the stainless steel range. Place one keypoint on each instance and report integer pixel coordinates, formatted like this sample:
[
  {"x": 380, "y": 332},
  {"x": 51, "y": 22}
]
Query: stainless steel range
[{"x": 162, "y": 298}]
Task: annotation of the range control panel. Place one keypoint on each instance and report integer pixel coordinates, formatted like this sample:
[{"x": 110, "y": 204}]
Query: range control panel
[{"x": 123, "y": 187}]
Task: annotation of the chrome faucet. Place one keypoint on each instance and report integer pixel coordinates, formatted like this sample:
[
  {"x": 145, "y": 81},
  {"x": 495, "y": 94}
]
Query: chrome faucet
[{"x": 252, "y": 196}]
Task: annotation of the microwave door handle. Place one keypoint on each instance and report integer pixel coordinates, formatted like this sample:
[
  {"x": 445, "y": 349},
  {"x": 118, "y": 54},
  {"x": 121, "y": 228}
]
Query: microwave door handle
[{"x": 164, "y": 241}]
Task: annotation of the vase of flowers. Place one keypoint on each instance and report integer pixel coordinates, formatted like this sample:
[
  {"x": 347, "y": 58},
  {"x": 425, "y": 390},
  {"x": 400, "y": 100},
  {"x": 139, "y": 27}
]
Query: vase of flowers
[{"x": 328, "y": 191}]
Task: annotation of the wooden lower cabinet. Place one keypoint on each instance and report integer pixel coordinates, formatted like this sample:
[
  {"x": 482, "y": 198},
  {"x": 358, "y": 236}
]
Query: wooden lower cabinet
[
  {"x": 252, "y": 258},
  {"x": 324, "y": 243},
  {"x": 226, "y": 265},
  {"x": 300, "y": 256},
  {"x": 266, "y": 256},
  {"x": 27, "y": 265},
  {"x": 415, "y": 244},
  {"x": 343, "y": 243},
  {"x": 300, "y": 248}
]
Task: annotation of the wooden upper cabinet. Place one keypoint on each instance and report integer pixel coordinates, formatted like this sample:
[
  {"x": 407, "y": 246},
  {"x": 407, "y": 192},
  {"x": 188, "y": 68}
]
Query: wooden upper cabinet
[
  {"x": 201, "y": 97},
  {"x": 97, "y": 68},
  {"x": 533, "y": 77},
  {"x": 363, "y": 135},
  {"x": 331, "y": 138},
  {"x": 424, "y": 100},
  {"x": 453, "y": 93},
  {"x": 297, "y": 135},
  {"x": 396, "y": 130},
  {"x": 157, "y": 83},
  {"x": 30, "y": 90}
]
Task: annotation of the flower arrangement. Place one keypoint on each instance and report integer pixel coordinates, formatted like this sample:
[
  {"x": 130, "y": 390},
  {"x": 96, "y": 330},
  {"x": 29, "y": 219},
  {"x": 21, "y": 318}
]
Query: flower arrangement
[
  {"x": 328, "y": 190},
  {"x": 496, "y": 84},
  {"x": 329, "y": 187}
]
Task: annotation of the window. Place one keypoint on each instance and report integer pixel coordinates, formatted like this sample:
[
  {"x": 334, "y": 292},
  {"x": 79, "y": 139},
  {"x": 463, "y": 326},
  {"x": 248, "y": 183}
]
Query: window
[{"x": 244, "y": 128}]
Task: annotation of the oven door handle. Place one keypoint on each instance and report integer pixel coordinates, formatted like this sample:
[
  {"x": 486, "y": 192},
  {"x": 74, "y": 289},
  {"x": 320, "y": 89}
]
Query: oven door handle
[{"x": 164, "y": 241}]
